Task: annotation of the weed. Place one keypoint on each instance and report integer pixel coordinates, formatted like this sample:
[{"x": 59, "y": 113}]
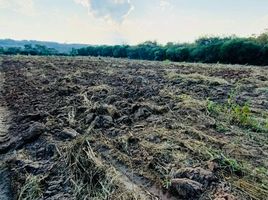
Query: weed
[
  {"x": 166, "y": 183},
  {"x": 234, "y": 113},
  {"x": 230, "y": 164},
  {"x": 240, "y": 114},
  {"x": 213, "y": 107},
  {"x": 220, "y": 127},
  {"x": 227, "y": 164}
]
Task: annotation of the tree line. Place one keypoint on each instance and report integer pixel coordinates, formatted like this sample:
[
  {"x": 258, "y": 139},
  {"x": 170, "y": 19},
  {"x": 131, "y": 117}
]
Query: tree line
[
  {"x": 230, "y": 50},
  {"x": 29, "y": 49}
]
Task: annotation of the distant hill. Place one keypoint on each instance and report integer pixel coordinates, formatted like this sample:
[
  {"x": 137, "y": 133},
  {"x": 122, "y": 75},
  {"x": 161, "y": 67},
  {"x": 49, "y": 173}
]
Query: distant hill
[{"x": 60, "y": 47}]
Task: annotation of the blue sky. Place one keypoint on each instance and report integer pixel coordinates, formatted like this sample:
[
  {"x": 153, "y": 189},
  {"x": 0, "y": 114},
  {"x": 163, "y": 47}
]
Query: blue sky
[{"x": 130, "y": 21}]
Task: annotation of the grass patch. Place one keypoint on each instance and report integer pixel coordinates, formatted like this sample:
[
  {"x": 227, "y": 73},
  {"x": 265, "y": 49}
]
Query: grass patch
[
  {"x": 197, "y": 78},
  {"x": 31, "y": 190},
  {"x": 100, "y": 88},
  {"x": 92, "y": 178},
  {"x": 237, "y": 114},
  {"x": 167, "y": 62},
  {"x": 88, "y": 176}
]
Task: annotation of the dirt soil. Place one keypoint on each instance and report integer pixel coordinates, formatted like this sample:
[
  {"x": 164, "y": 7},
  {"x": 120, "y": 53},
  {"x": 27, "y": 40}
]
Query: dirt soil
[{"x": 103, "y": 128}]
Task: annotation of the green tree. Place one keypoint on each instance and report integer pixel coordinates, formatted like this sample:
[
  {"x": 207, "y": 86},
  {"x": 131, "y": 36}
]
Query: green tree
[
  {"x": 240, "y": 51},
  {"x": 1, "y": 50}
]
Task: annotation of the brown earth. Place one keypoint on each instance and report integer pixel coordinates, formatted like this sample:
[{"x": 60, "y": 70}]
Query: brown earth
[{"x": 102, "y": 128}]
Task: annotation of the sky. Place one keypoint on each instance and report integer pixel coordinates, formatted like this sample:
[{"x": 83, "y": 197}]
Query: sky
[{"x": 130, "y": 21}]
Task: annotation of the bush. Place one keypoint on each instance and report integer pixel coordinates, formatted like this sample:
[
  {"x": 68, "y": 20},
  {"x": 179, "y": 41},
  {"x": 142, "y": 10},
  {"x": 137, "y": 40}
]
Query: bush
[{"x": 240, "y": 51}]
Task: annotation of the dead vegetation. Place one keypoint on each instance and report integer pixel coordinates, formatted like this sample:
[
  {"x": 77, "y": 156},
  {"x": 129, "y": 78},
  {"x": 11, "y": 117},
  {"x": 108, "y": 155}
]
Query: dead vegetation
[{"x": 97, "y": 128}]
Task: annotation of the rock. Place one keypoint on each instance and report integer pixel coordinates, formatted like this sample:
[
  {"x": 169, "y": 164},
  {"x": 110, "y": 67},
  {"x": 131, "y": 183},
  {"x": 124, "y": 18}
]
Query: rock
[
  {"x": 34, "y": 131},
  {"x": 133, "y": 140},
  {"x": 153, "y": 138},
  {"x": 198, "y": 174},
  {"x": 24, "y": 165},
  {"x": 124, "y": 120},
  {"x": 154, "y": 118},
  {"x": 80, "y": 81},
  {"x": 100, "y": 109},
  {"x": 223, "y": 193},
  {"x": 67, "y": 91},
  {"x": 103, "y": 121},
  {"x": 53, "y": 187},
  {"x": 32, "y": 167},
  {"x": 225, "y": 197},
  {"x": 89, "y": 118},
  {"x": 186, "y": 188},
  {"x": 4, "y": 138},
  {"x": 60, "y": 196},
  {"x": 46, "y": 152},
  {"x": 142, "y": 113},
  {"x": 112, "y": 98},
  {"x": 212, "y": 166},
  {"x": 29, "y": 132},
  {"x": 140, "y": 80},
  {"x": 31, "y": 117},
  {"x": 159, "y": 109},
  {"x": 81, "y": 109},
  {"x": 115, "y": 132},
  {"x": 69, "y": 133}
]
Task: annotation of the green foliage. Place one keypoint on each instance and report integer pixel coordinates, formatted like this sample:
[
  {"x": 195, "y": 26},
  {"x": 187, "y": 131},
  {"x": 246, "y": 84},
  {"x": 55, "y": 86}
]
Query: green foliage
[
  {"x": 231, "y": 50},
  {"x": 29, "y": 50},
  {"x": 226, "y": 163},
  {"x": 1, "y": 50},
  {"x": 166, "y": 183},
  {"x": 213, "y": 107},
  {"x": 234, "y": 113},
  {"x": 230, "y": 164},
  {"x": 240, "y": 51},
  {"x": 262, "y": 38},
  {"x": 12, "y": 51},
  {"x": 220, "y": 127},
  {"x": 241, "y": 114}
]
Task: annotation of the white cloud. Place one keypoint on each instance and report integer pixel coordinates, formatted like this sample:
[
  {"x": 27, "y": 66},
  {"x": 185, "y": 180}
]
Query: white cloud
[
  {"x": 115, "y": 10},
  {"x": 165, "y": 4},
  {"x": 25, "y": 7},
  {"x": 84, "y": 3}
]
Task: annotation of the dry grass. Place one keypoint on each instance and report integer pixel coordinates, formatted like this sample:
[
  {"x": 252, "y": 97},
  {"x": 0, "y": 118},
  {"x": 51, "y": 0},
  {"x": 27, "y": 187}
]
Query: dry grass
[
  {"x": 32, "y": 189},
  {"x": 87, "y": 174},
  {"x": 197, "y": 78},
  {"x": 91, "y": 178}
]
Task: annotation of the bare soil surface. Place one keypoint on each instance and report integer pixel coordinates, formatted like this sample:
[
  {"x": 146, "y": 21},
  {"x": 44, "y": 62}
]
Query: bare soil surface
[
  {"x": 5, "y": 181},
  {"x": 102, "y": 128}
]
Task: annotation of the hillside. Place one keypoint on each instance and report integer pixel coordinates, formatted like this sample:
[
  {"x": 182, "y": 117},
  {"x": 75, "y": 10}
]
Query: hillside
[{"x": 60, "y": 47}]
